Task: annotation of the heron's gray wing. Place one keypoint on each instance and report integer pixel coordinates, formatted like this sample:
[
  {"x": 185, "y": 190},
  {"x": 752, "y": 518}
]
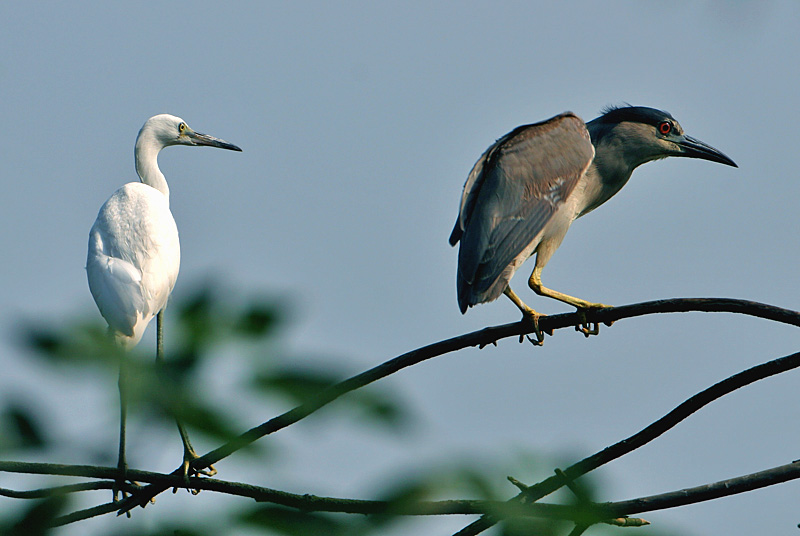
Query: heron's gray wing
[
  {"x": 471, "y": 189},
  {"x": 511, "y": 194}
]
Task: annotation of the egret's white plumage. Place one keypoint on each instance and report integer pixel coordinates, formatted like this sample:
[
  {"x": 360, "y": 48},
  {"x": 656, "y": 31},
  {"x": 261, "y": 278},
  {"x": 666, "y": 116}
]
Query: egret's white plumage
[
  {"x": 134, "y": 252},
  {"x": 134, "y": 257}
]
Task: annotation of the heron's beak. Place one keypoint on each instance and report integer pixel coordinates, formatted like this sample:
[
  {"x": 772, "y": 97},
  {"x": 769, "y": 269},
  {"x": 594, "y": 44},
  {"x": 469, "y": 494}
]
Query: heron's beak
[
  {"x": 210, "y": 141},
  {"x": 694, "y": 148}
]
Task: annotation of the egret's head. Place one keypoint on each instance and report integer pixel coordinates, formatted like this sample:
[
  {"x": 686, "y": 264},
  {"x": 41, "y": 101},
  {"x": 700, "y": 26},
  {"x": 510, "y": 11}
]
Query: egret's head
[
  {"x": 649, "y": 134},
  {"x": 166, "y": 130}
]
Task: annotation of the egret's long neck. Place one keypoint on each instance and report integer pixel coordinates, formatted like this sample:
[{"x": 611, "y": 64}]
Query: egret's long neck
[{"x": 146, "y": 155}]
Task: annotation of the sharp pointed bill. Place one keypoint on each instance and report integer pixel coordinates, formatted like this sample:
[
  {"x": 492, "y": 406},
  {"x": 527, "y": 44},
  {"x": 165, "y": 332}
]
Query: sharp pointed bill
[
  {"x": 694, "y": 148},
  {"x": 211, "y": 141}
]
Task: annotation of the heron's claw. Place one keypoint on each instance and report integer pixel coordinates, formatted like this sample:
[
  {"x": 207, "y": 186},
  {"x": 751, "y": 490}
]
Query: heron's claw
[
  {"x": 589, "y": 328},
  {"x": 533, "y": 316}
]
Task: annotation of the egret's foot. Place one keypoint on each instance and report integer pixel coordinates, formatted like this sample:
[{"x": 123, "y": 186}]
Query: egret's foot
[
  {"x": 589, "y": 328},
  {"x": 120, "y": 494},
  {"x": 121, "y": 485},
  {"x": 119, "y": 482},
  {"x": 189, "y": 455}
]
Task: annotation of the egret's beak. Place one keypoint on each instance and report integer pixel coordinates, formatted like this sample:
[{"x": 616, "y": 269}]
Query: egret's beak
[
  {"x": 210, "y": 141},
  {"x": 694, "y": 148}
]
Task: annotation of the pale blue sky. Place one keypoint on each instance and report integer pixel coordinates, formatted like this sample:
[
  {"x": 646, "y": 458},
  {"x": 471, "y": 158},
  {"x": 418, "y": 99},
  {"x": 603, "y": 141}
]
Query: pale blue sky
[{"x": 359, "y": 123}]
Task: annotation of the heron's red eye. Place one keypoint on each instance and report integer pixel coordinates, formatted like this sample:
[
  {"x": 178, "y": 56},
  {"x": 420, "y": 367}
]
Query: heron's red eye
[{"x": 665, "y": 127}]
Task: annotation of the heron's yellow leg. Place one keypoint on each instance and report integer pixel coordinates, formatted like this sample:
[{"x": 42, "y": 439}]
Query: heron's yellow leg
[
  {"x": 527, "y": 312},
  {"x": 535, "y": 282}
]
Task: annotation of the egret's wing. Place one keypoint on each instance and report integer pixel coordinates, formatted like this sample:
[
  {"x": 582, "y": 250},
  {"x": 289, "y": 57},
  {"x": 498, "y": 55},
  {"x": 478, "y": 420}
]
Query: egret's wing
[
  {"x": 511, "y": 194},
  {"x": 134, "y": 257},
  {"x": 116, "y": 286}
]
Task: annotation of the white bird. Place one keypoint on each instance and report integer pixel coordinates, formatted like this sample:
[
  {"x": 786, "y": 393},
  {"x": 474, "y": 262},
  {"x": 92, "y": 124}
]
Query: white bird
[{"x": 134, "y": 252}]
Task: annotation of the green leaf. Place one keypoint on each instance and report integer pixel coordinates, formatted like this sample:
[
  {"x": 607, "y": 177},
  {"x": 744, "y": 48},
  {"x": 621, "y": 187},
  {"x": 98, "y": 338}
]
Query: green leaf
[
  {"x": 295, "y": 523},
  {"x": 37, "y": 519},
  {"x": 300, "y": 386},
  {"x": 259, "y": 319},
  {"x": 20, "y": 429},
  {"x": 198, "y": 319},
  {"x": 297, "y": 385}
]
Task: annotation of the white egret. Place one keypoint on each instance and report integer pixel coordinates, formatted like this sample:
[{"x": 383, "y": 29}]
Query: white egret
[{"x": 134, "y": 252}]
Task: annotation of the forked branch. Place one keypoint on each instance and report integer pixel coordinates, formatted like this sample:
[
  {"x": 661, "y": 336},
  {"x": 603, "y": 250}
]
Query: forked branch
[
  {"x": 693, "y": 404},
  {"x": 481, "y": 339}
]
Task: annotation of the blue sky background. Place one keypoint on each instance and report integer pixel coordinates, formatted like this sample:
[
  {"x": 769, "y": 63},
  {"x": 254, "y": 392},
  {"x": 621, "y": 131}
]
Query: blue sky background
[{"x": 359, "y": 123}]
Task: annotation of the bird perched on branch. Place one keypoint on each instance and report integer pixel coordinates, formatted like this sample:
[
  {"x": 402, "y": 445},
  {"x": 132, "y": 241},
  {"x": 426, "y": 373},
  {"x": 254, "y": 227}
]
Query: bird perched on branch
[
  {"x": 134, "y": 252},
  {"x": 527, "y": 188}
]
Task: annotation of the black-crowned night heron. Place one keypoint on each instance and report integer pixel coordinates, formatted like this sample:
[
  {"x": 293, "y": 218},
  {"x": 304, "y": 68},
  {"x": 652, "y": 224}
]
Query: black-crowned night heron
[{"x": 527, "y": 189}]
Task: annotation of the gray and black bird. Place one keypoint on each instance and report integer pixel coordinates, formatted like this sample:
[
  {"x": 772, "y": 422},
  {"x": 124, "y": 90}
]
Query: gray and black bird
[{"x": 527, "y": 189}]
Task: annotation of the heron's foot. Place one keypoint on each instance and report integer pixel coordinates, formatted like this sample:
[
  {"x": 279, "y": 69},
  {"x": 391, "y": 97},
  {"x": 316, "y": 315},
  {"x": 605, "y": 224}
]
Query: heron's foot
[
  {"x": 189, "y": 455},
  {"x": 533, "y": 316},
  {"x": 589, "y": 328}
]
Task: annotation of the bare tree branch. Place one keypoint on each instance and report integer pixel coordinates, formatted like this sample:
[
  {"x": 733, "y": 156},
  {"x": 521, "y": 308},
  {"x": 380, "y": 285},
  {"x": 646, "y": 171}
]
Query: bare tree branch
[
  {"x": 583, "y": 513},
  {"x": 693, "y": 404},
  {"x": 492, "y": 511},
  {"x": 480, "y": 338},
  {"x": 707, "y": 492}
]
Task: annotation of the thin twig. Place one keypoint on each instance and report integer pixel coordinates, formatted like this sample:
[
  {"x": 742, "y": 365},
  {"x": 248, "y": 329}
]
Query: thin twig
[
  {"x": 707, "y": 492},
  {"x": 88, "y": 513},
  {"x": 42, "y": 493}
]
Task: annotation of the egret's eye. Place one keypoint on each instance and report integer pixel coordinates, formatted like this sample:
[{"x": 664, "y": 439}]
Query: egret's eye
[
  {"x": 665, "y": 127},
  {"x": 182, "y": 127}
]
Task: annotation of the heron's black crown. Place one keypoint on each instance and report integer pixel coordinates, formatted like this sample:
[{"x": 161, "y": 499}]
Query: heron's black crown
[{"x": 634, "y": 114}]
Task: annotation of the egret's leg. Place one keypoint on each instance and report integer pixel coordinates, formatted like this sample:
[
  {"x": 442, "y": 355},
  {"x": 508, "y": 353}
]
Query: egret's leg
[
  {"x": 535, "y": 282},
  {"x": 528, "y": 313},
  {"x": 122, "y": 464},
  {"x": 189, "y": 453}
]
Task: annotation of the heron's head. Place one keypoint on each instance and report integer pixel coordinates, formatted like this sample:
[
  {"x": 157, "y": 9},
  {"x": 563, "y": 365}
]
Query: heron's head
[
  {"x": 166, "y": 130},
  {"x": 643, "y": 134}
]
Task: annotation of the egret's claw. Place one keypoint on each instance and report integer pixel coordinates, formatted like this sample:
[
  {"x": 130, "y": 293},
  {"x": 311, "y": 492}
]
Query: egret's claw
[
  {"x": 118, "y": 490},
  {"x": 189, "y": 455}
]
